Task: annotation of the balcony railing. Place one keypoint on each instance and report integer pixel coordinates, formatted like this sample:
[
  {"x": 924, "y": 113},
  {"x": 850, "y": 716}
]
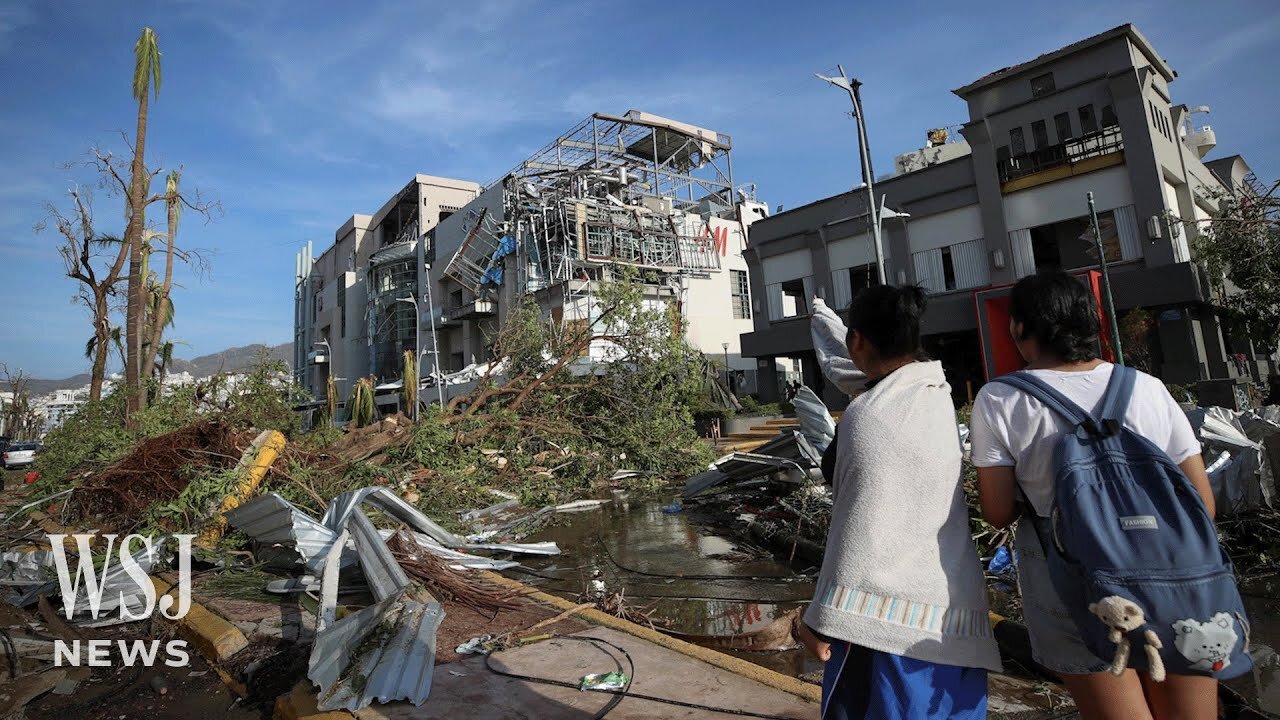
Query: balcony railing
[{"x": 1103, "y": 142}]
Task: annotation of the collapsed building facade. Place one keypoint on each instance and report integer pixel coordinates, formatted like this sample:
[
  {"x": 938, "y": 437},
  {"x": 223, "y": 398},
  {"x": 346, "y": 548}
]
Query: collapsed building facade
[{"x": 444, "y": 262}]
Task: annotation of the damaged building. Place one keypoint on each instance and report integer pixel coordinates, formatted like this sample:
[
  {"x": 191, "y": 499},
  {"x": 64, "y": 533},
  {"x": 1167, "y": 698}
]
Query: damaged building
[
  {"x": 1005, "y": 197},
  {"x": 444, "y": 262}
]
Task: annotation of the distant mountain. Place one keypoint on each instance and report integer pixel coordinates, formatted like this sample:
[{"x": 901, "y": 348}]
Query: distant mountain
[
  {"x": 229, "y": 360},
  {"x": 232, "y": 359}
]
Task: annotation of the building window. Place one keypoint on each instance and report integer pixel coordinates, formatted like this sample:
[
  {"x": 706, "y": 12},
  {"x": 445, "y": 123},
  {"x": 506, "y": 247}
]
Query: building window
[
  {"x": 1042, "y": 85},
  {"x": 1069, "y": 244},
  {"x": 1088, "y": 122},
  {"x": 790, "y": 298},
  {"x": 455, "y": 299},
  {"x": 1062, "y": 125},
  {"x": 948, "y": 269},
  {"x": 794, "y": 302},
  {"x": 342, "y": 307},
  {"x": 1017, "y": 143},
  {"x": 1040, "y": 134},
  {"x": 1109, "y": 117},
  {"x": 740, "y": 290},
  {"x": 1002, "y": 155}
]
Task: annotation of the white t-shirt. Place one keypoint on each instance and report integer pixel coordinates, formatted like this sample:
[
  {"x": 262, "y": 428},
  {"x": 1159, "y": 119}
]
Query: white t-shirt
[{"x": 1011, "y": 429}]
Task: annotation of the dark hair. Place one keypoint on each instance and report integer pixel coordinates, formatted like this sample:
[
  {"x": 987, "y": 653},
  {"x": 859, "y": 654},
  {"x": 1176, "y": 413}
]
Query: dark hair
[
  {"x": 889, "y": 318},
  {"x": 1057, "y": 311}
]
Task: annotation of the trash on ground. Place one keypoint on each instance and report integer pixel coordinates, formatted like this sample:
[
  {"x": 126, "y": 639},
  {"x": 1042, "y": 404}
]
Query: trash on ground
[{"x": 603, "y": 681}]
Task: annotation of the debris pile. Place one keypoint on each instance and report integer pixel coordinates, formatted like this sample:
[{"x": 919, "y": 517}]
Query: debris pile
[{"x": 154, "y": 471}]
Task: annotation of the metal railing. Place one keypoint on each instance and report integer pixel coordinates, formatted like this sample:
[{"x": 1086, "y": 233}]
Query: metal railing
[
  {"x": 651, "y": 249},
  {"x": 1104, "y": 142}
]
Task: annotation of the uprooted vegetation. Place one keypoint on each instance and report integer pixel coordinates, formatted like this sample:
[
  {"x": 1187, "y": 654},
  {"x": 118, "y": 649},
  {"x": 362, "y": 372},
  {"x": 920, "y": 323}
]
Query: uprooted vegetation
[{"x": 545, "y": 423}]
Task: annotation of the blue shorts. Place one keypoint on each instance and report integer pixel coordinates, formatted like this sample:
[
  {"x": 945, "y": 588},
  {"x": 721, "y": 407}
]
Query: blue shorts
[{"x": 863, "y": 684}]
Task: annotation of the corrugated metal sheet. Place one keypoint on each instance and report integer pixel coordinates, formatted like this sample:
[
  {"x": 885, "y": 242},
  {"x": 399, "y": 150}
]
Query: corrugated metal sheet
[
  {"x": 969, "y": 259},
  {"x": 273, "y": 520},
  {"x": 385, "y": 576},
  {"x": 396, "y": 644}
]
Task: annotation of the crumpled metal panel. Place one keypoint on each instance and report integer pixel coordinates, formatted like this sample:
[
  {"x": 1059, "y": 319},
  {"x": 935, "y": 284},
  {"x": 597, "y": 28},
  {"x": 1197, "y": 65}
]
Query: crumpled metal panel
[
  {"x": 458, "y": 560},
  {"x": 117, "y": 587},
  {"x": 19, "y": 567},
  {"x": 387, "y": 650},
  {"x": 273, "y": 520},
  {"x": 385, "y": 576},
  {"x": 395, "y": 506},
  {"x": 815, "y": 419}
]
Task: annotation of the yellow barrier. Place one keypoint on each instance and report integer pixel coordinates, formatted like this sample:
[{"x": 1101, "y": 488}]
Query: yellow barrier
[{"x": 253, "y": 468}]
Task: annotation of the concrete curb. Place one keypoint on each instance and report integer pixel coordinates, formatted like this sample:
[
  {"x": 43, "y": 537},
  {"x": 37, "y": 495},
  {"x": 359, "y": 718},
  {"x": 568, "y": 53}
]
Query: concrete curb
[
  {"x": 765, "y": 676},
  {"x": 215, "y": 638}
]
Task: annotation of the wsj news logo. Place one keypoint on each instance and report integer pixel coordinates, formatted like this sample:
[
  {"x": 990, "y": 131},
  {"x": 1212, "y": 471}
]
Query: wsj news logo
[{"x": 95, "y": 582}]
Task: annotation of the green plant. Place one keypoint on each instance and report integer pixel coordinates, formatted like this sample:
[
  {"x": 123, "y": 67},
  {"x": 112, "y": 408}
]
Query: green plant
[{"x": 361, "y": 406}]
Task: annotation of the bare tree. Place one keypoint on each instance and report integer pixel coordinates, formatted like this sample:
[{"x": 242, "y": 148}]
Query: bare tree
[
  {"x": 21, "y": 420},
  {"x": 157, "y": 313},
  {"x": 95, "y": 261}
]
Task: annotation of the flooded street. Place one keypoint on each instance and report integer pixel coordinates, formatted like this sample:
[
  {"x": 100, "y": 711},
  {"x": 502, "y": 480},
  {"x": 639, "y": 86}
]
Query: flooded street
[{"x": 712, "y": 590}]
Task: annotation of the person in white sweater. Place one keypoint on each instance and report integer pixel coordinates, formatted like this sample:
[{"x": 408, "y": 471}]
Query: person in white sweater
[{"x": 900, "y": 611}]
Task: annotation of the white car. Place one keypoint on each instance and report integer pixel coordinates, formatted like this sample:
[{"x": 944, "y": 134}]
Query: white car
[{"x": 20, "y": 454}]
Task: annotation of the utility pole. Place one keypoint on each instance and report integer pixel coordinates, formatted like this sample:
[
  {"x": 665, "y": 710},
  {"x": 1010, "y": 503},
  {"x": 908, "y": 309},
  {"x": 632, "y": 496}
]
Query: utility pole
[
  {"x": 853, "y": 87},
  {"x": 1108, "y": 304},
  {"x": 435, "y": 341}
]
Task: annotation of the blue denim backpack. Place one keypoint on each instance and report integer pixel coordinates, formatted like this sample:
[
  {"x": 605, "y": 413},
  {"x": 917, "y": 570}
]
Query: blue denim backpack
[{"x": 1131, "y": 549}]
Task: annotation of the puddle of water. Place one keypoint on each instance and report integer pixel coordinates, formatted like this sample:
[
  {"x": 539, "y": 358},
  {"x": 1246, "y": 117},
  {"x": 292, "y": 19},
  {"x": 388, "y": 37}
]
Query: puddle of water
[{"x": 711, "y": 593}]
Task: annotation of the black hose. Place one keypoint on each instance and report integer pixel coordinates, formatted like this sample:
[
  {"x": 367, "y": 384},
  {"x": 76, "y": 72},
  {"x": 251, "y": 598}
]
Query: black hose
[
  {"x": 618, "y": 695},
  {"x": 626, "y": 691}
]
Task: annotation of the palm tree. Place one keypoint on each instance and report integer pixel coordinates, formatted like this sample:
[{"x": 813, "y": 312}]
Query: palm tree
[
  {"x": 159, "y": 304},
  {"x": 146, "y": 80},
  {"x": 117, "y": 342},
  {"x": 166, "y": 360}
]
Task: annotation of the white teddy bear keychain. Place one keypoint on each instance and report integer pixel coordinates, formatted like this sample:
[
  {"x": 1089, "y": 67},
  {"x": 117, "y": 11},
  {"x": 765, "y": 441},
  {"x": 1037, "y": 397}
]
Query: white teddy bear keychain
[{"x": 1123, "y": 616}]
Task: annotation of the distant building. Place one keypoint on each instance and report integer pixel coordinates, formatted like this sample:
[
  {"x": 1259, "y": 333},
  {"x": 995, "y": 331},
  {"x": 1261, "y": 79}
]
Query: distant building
[
  {"x": 637, "y": 191},
  {"x": 1095, "y": 116},
  {"x": 56, "y": 407}
]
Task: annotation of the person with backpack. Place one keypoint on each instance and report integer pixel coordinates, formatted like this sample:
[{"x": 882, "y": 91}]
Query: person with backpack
[
  {"x": 1126, "y": 592},
  {"x": 899, "y": 614}
]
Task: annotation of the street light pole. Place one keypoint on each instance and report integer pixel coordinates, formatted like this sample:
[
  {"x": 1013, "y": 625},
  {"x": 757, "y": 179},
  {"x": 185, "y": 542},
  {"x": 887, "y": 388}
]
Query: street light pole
[
  {"x": 728, "y": 381},
  {"x": 1109, "y": 305},
  {"x": 435, "y": 342},
  {"x": 853, "y": 87}
]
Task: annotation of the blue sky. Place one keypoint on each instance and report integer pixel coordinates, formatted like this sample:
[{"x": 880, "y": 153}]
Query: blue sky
[{"x": 294, "y": 116}]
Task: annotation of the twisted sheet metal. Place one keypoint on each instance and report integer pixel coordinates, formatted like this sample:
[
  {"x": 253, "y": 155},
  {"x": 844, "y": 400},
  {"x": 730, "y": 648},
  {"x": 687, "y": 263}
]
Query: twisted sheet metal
[{"x": 385, "y": 652}]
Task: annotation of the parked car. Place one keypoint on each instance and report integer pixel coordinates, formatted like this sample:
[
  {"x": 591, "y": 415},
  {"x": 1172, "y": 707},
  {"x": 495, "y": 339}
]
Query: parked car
[{"x": 20, "y": 454}]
